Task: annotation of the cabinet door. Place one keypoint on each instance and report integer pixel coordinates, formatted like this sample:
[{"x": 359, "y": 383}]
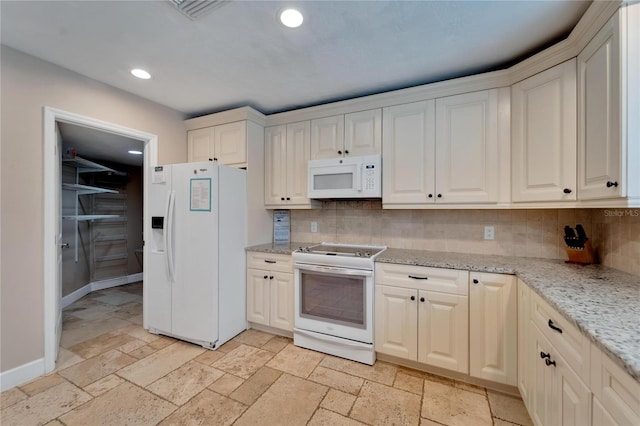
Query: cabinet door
[
  {"x": 275, "y": 163},
  {"x": 443, "y": 331},
  {"x": 258, "y": 296},
  {"x": 281, "y": 309},
  {"x": 467, "y": 148},
  {"x": 231, "y": 143},
  {"x": 524, "y": 369},
  {"x": 363, "y": 133},
  {"x": 298, "y": 136},
  {"x": 543, "y": 135},
  {"x": 599, "y": 139},
  {"x": 572, "y": 398},
  {"x": 408, "y": 148},
  {"x": 493, "y": 328},
  {"x": 327, "y": 137},
  {"x": 396, "y": 322},
  {"x": 200, "y": 146},
  {"x": 541, "y": 398},
  {"x": 601, "y": 416}
]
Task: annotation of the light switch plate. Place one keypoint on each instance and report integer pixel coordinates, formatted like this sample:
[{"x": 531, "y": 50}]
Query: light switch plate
[{"x": 314, "y": 226}]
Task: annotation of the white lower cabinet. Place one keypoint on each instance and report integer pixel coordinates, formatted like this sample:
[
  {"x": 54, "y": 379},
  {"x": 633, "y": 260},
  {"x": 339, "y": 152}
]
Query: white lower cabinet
[
  {"x": 270, "y": 291},
  {"x": 563, "y": 378},
  {"x": 417, "y": 324},
  {"x": 493, "y": 331}
]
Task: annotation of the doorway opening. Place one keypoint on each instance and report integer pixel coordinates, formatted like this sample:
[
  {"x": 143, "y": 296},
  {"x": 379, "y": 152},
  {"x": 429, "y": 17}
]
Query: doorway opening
[{"x": 90, "y": 235}]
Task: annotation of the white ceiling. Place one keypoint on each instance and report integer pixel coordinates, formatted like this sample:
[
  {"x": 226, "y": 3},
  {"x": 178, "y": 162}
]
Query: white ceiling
[{"x": 239, "y": 55}]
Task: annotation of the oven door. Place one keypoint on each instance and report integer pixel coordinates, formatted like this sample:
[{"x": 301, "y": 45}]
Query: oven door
[{"x": 334, "y": 301}]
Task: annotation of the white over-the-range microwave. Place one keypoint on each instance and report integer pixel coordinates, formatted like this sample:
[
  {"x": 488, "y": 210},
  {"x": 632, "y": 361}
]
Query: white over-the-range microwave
[{"x": 346, "y": 177}]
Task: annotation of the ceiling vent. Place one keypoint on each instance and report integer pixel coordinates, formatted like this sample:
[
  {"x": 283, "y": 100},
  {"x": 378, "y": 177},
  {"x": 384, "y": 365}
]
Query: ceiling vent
[{"x": 195, "y": 9}]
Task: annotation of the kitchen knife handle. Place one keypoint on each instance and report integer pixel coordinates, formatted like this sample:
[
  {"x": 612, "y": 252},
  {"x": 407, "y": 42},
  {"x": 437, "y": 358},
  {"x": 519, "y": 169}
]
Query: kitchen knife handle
[
  {"x": 417, "y": 278},
  {"x": 554, "y": 327}
]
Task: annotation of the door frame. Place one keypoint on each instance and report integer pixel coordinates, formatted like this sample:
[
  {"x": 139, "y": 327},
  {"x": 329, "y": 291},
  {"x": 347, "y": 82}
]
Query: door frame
[{"x": 51, "y": 217}]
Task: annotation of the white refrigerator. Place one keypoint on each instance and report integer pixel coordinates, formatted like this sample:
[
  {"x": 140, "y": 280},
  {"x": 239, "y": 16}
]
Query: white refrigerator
[{"x": 195, "y": 258}]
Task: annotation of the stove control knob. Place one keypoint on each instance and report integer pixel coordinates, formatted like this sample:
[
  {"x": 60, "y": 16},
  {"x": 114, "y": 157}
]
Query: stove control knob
[
  {"x": 367, "y": 254},
  {"x": 358, "y": 254}
]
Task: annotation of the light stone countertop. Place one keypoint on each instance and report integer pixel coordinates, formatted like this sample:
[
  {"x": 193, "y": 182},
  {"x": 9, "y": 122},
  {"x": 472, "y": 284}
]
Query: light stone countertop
[
  {"x": 603, "y": 303},
  {"x": 279, "y": 248}
]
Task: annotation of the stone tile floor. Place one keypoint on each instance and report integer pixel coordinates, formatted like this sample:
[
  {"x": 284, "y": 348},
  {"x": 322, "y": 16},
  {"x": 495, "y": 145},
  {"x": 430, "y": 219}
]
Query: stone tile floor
[{"x": 112, "y": 372}]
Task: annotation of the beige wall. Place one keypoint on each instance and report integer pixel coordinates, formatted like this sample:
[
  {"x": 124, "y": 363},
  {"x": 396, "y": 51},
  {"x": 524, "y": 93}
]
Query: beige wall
[
  {"x": 28, "y": 84},
  {"x": 528, "y": 233}
]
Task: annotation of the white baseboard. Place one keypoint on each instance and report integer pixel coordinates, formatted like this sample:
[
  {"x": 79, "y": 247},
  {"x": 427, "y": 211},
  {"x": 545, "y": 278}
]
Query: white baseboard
[
  {"x": 76, "y": 295},
  {"x": 22, "y": 374},
  {"x": 99, "y": 285}
]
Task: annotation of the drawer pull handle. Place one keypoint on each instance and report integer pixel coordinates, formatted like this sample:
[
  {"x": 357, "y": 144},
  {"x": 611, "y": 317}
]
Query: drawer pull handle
[
  {"x": 543, "y": 355},
  {"x": 418, "y": 278},
  {"x": 549, "y": 362},
  {"x": 553, "y": 327},
  {"x": 270, "y": 261}
]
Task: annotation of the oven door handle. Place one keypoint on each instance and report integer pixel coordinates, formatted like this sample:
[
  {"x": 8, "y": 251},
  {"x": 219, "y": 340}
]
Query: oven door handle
[{"x": 334, "y": 270}]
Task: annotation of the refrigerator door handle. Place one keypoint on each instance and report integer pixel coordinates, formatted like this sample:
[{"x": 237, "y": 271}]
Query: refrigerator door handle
[{"x": 169, "y": 234}]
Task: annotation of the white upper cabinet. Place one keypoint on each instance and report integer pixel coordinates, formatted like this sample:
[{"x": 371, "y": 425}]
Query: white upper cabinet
[
  {"x": 357, "y": 133},
  {"x": 363, "y": 133},
  {"x": 286, "y": 158},
  {"x": 225, "y": 144},
  {"x": 467, "y": 148},
  {"x": 543, "y": 136},
  {"x": 445, "y": 151},
  {"x": 608, "y": 110},
  {"x": 408, "y": 153}
]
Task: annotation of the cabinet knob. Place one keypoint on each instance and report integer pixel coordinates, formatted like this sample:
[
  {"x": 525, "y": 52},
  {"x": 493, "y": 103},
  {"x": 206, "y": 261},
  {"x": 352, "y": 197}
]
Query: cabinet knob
[
  {"x": 210, "y": 159},
  {"x": 413, "y": 298},
  {"x": 476, "y": 281},
  {"x": 281, "y": 198},
  {"x": 544, "y": 355},
  {"x": 549, "y": 362},
  {"x": 610, "y": 184},
  {"x": 265, "y": 277},
  {"x": 422, "y": 299},
  {"x": 439, "y": 195},
  {"x": 346, "y": 151},
  {"x": 288, "y": 198},
  {"x": 215, "y": 159},
  {"x": 430, "y": 195},
  {"x": 271, "y": 277},
  {"x": 340, "y": 152},
  {"x": 567, "y": 191}
]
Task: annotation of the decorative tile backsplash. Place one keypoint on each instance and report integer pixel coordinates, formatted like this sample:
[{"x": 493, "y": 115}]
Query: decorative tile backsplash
[{"x": 529, "y": 233}]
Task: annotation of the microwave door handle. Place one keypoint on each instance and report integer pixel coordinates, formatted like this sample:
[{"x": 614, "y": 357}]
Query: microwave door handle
[{"x": 359, "y": 177}]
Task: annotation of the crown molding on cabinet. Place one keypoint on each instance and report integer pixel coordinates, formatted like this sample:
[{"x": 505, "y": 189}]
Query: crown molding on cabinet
[{"x": 224, "y": 117}]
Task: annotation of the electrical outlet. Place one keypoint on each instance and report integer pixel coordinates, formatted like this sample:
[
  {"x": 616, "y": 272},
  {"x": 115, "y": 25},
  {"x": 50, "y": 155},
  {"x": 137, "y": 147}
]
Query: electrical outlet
[
  {"x": 489, "y": 233},
  {"x": 314, "y": 226}
]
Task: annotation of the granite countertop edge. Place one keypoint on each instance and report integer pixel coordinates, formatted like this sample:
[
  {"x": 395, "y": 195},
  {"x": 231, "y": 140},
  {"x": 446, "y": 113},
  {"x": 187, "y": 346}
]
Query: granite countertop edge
[{"x": 596, "y": 299}]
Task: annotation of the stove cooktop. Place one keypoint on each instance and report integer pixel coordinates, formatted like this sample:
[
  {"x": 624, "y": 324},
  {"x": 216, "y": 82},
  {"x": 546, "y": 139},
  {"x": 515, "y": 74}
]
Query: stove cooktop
[{"x": 346, "y": 250}]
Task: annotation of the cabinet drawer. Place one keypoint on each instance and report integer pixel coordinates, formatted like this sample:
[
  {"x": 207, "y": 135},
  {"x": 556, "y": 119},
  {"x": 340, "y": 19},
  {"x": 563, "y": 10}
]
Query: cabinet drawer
[
  {"x": 616, "y": 390},
  {"x": 423, "y": 278},
  {"x": 564, "y": 336},
  {"x": 272, "y": 262}
]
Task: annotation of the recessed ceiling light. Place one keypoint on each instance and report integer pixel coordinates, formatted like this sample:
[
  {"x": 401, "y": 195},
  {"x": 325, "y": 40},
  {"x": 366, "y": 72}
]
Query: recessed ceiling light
[
  {"x": 140, "y": 73},
  {"x": 291, "y": 18},
  {"x": 135, "y": 152}
]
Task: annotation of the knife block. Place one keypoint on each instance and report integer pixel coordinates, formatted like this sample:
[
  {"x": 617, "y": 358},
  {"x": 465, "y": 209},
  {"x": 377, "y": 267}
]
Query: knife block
[{"x": 582, "y": 256}]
